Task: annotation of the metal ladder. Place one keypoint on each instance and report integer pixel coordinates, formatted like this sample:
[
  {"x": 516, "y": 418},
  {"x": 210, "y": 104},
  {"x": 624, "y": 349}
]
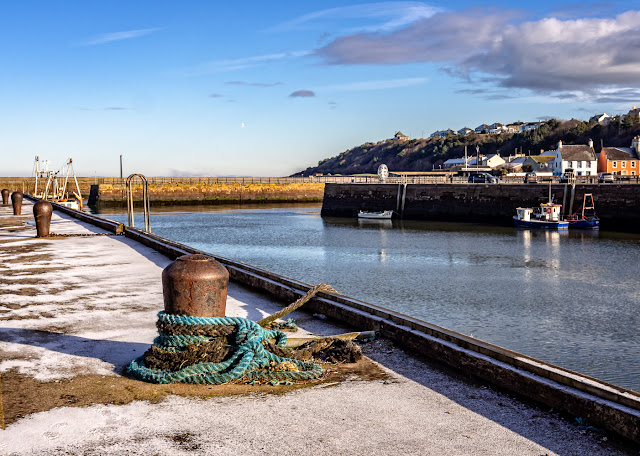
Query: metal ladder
[{"x": 145, "y": 200}]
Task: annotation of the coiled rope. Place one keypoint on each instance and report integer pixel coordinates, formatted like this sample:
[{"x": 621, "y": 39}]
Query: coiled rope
[{"x": 249, "y": 361}]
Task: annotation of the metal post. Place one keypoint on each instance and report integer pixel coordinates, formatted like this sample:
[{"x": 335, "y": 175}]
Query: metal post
[
  {"x": 195, "y": 285},
  {"x": 121, "y": 181}
]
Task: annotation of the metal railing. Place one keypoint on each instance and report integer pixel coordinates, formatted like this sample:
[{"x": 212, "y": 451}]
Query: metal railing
[
  {"x": 145, "y": 200},
  {"x": 18, "y": 184}
]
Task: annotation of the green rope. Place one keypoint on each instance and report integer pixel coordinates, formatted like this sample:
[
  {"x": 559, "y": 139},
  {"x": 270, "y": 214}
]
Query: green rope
[{"x": 247, "y": 361}]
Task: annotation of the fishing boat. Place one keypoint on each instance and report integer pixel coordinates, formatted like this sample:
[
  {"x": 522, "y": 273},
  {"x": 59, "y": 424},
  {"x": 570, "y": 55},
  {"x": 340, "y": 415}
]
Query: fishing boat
[
  {"x": 56, "y": 185},
  {"x": 547, "y": 216},
  {"x": 380, "y": 215},
  {"x": 587, "y": 219}
]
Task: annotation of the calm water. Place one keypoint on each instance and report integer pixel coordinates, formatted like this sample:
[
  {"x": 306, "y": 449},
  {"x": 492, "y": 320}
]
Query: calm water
[{"x": 567, "y": 298}]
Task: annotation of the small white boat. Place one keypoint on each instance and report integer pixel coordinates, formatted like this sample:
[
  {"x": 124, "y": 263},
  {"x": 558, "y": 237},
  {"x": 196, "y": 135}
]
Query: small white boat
[
  {"x": 76, "y": 204},
  {"x": 382, "y": 215}
]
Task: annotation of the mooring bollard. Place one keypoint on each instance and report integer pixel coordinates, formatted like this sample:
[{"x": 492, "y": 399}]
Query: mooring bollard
[
  {"x": 5, "y": 196},
  {"x": 195, "y": 285},
  {"x": 42, "y": 211},
  {"x": 16, "y": 200}
]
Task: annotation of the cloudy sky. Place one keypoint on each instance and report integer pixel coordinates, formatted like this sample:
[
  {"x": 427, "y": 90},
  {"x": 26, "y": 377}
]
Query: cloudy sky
[{"x": 268, "y": 88}]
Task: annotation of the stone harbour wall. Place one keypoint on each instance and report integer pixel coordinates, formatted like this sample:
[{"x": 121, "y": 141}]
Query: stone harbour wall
[{"x": 617, "y": 205}]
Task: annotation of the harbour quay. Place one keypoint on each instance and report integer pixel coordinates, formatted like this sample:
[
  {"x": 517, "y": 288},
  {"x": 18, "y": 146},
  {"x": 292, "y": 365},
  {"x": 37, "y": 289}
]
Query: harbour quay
[
  {"x": 77, "y": 307},
  {"x": 617, "y": 205}
]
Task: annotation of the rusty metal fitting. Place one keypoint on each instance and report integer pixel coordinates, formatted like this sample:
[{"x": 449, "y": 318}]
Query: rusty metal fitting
[
  {"x": 42, "y": 211},
  {"x": 195, "y": 285},
  {"x": 5, "y": 196},
  {"x": 16, "y": 200}
]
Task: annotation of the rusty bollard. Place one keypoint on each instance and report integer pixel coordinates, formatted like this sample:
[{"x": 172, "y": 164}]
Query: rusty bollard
[
  {"x": 195, "y": 285},
  {"x": 5, "y": 196},
  {"x": 42, "y": 211},
  {"x": 16, "y": 200}
]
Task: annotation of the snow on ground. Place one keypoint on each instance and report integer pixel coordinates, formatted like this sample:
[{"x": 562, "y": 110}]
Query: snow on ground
[{"x": 88, "y": 305}]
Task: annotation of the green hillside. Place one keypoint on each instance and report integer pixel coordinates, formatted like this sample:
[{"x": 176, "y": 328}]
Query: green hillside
[{"x": 426, "y": 154}]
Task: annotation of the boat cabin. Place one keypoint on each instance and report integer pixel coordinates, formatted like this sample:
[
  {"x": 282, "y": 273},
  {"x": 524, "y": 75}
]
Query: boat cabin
[
  {"x": 524, "y": 213},
  {"x": 549, "y": 212}
]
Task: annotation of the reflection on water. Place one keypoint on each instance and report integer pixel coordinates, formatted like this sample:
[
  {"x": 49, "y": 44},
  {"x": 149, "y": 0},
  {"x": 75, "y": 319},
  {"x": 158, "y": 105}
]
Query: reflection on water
[{"x": 569, "y": 297}]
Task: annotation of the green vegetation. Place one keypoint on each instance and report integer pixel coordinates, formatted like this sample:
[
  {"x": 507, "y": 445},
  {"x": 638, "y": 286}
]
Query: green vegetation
[{"x": 426, "y": 154}]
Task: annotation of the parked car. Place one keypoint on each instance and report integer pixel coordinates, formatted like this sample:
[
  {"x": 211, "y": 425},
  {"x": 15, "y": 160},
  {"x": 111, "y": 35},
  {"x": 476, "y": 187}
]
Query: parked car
[
  {"x": 606, "y": 177},
  {"x": 538, "y": 176},
  {"x": 482, "y": 178}
]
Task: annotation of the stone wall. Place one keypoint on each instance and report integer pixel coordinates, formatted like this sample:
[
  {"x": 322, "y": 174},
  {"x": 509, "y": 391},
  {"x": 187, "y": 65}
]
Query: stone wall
[{"x": 617, "y": 205}]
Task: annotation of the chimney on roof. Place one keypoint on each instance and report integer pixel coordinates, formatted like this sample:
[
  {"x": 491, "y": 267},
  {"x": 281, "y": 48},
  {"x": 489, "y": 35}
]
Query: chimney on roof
[
  {"x": 559, "y": 145},
  {"x": 590, "y": 143}
]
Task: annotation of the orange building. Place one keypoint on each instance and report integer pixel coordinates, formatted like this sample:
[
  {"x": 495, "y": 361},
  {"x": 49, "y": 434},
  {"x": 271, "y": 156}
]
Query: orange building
[{"x": 624, "y": 161}]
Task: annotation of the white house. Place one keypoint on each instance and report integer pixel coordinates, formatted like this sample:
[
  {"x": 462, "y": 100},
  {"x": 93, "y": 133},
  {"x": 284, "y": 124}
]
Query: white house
[
  {"x": 465, "y": 131},
  {"x": 529, "y": 126},
  {"x": 492, "y": 161},
  {"x": 600, "y": 118},
  {"x": 496, "y": 127},
  {"x": 582, "y": 158},
  {"x": 442, "y": 133},
  {"x": 453, "y": 162},
  {"x": 400, "y": 136},
  {"x": 482, "y": 128}
]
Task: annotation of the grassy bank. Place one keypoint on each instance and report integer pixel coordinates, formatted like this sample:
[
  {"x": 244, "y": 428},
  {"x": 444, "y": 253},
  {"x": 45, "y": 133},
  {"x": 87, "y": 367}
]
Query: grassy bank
[{"x": 188, "y": 193}]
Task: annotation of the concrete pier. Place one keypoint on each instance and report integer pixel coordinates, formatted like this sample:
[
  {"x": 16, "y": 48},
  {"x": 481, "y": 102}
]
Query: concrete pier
[{"x": 75, "y": 310}]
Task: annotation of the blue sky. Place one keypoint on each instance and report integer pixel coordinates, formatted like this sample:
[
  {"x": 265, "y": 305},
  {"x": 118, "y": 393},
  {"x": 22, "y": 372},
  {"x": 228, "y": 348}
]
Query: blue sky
[{"x": 259, "y": 88}]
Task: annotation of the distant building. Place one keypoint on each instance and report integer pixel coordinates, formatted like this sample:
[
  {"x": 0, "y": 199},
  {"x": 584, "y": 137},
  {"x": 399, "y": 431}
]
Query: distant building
[
  {"x": 600, "y": 118},
  {"x": 454, "y": 162},
  {"x": 515, "y": 165},
  {"x": 624, "y": 161},
  {"x": 529, "y": 126},
  {"x": 495, "y": 128},
  {"x": 442, "y": 133},
  {"x": 465, "y": 131},
  {"x": 634, "y": 113},
  {"x": 540, "y": 163},
  {"x": 582, "y": 158},
  {"x": 484, "y": 128},
  {"x": 401, "y": 136},
  {"x": 492, "y": 161}
]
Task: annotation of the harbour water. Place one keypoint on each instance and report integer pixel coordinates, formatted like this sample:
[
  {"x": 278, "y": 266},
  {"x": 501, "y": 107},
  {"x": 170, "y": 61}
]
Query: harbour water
[{"x": 567, "y": 298}]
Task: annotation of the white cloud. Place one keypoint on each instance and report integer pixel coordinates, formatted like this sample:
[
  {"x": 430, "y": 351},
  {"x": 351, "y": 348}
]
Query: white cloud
[
  {"x": 218, "y": 66},
  {"x": 547, "y": 55},
  {"x": 373, "y": 85},
  {"x": 390, "y": 15},
  {"x": 118, "y": 36}
]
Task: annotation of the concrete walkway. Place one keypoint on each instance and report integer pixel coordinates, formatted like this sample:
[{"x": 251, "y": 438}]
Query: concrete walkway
[{"x": 74, "y": 311}]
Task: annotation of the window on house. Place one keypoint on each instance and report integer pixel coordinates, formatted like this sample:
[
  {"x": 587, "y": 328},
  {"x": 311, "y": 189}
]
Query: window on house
[
  {"x": 633, "y": 164},
  {"x": 614, "y": 164},
  {"x": 623, "y": 164},
  {"x": 633, "y": 173},
  {"x": 579, "y": 164}
]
